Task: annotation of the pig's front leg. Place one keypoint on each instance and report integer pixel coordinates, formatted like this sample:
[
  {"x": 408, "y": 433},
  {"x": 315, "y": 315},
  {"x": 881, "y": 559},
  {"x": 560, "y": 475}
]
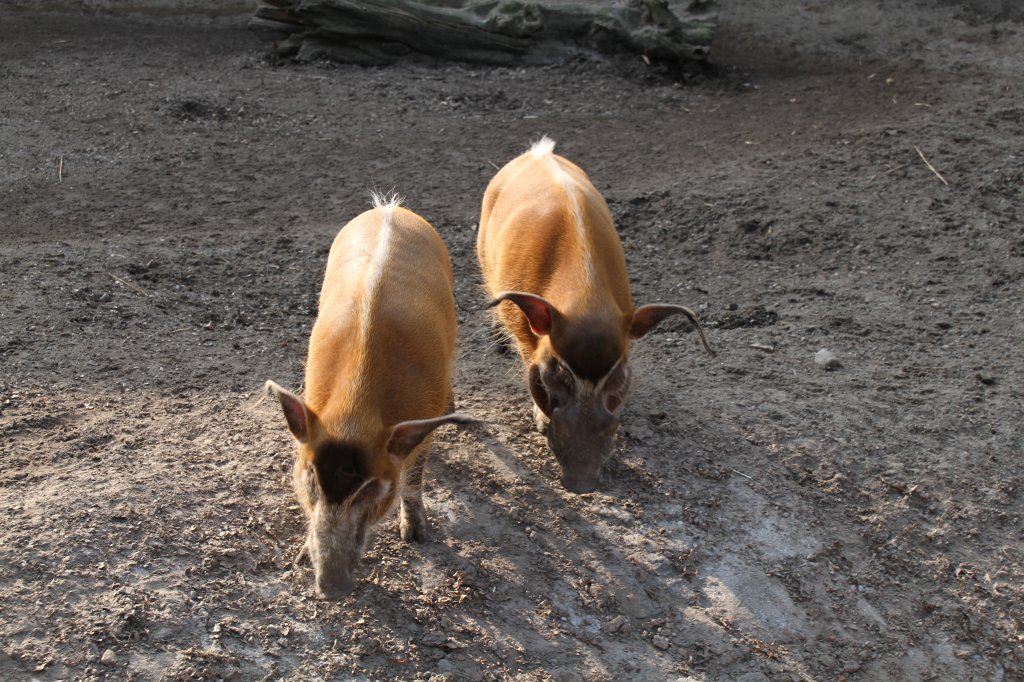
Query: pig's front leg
[{"x": 413, "y": 517}]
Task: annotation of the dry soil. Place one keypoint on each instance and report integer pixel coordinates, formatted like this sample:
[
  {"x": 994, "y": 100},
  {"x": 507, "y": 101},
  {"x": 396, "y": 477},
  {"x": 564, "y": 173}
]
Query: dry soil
[{"x": 847, "y": 176}]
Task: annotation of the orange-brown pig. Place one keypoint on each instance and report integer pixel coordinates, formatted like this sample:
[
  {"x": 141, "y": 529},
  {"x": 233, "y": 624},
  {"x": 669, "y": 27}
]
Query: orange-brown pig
[
  {"x": 378, "y": 382},
  {"x": 552, "y": 259}
]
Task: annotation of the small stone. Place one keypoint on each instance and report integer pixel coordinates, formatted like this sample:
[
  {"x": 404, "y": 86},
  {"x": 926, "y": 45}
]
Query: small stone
[
  {"x": 108, "y": 657},
  {"x": 660, "y": 642},
  {"x": 753, "y": 676},
  {"x": 827, "y": 360},
  {"x": 616, "y": 623},
  {"x": 851, "y": 667},
  {"x": 986, "y": 379},
  {"x": 434, "y": 639}
]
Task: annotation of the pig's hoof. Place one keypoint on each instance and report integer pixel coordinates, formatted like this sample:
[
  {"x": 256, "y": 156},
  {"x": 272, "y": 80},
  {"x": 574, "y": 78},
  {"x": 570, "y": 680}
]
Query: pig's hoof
[
  {"x": 540, "y": 421},
  {"x": 302, "y": 558},
  {"x": 414, "y": 528}
]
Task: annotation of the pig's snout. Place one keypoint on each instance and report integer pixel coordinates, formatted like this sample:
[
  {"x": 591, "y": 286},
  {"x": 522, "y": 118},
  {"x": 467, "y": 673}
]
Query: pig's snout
[
  {"x": 581, "y": 484},
  {"x": 334, "y": 588}
]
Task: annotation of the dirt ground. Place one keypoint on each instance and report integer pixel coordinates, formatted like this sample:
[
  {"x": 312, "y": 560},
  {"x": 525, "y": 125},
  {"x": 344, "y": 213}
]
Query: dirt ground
[{"x": 168, "y": 198}]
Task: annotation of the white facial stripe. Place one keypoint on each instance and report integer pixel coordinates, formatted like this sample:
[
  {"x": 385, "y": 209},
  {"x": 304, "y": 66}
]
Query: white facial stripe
[
  {"x": 308, "y": 485},
  {"x": 353, "y": 496},
  {"x": 584, "y": 386},
  {"x": 604, "y": 380}
]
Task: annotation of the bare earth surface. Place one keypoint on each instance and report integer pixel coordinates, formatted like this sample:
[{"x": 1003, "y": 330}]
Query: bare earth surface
[{"x": 168, "y": 198}]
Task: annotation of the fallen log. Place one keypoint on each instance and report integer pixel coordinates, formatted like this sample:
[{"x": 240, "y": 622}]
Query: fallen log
[{"x": 485, "y": 31}]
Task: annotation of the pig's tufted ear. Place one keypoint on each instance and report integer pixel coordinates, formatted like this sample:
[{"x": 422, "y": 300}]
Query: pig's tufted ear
[
  {"x": 405, "y": 436},
  {"x": 295, "y": 411},
  {"x": 646, "y": 318},
  {"x": 542, "y": 315}
]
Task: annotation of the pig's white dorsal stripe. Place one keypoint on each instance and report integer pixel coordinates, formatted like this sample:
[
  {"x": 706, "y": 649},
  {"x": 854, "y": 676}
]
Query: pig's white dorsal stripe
[
  {"x": 386, "y": 205},
  {"x": 543, "y": 150}
]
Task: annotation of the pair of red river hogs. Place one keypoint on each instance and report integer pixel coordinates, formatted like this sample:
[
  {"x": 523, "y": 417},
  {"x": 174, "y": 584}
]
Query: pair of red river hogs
[{"x": 378, "y": 375}]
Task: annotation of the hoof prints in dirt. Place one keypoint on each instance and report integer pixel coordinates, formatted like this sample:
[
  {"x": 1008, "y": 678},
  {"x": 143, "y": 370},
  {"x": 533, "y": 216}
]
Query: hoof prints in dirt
[
  {"x": 200, "y": 111},
  {"x": 751, "y": 316}
]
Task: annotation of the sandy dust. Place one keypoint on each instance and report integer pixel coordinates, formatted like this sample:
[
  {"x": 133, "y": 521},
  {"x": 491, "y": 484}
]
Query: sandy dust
[{"x": 169, "y": 196}]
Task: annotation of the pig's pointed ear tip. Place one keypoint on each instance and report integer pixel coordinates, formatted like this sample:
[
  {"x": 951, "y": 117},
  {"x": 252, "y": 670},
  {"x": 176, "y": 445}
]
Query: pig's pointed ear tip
[
  {"x": 467, "y": 420},
  {"x": 271, "y": 387},
  {"x": 267, "y": 391}
]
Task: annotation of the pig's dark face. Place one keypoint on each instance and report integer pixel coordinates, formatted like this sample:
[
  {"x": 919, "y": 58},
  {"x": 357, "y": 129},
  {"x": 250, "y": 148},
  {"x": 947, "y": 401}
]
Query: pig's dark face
[
  {"x": 346, "y": 487},
  {"x": 583, "y": 418},
  {"x": 343, "y": 502}
]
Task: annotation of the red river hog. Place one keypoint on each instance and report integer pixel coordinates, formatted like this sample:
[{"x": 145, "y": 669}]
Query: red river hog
[
  {"x": 554, "y": 266},
  {"x": 378, "y": 382}
]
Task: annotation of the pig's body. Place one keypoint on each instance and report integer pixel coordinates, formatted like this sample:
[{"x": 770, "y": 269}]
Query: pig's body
[
  {"x": 545, "y": 229},
  {"x": 378, "y": 381},
  {"x": 547, "y": 244},
  {"x": 382, "y": 346}
]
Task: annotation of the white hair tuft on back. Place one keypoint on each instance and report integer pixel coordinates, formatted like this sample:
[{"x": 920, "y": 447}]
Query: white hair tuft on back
[
  {"x": 389, "y": 199},
  {"x": 543, "y": 147}
]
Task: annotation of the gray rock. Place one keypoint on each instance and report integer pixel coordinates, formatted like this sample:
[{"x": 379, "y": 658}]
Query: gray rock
[
  {"x": 109, "y": 657},
  {"x": 434, "y": 639},
  {"x": 827, "y": 360},
  {"x": 617, "y": 623}
]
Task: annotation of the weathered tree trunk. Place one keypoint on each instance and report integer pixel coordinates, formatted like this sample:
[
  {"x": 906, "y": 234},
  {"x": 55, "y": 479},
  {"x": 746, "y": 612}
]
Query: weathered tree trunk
[{"x": 485, "y": 31}]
